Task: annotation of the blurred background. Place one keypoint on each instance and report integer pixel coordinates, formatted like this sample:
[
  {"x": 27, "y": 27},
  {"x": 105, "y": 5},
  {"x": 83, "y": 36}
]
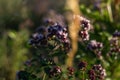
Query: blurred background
[{"x": 19, "y": 18}]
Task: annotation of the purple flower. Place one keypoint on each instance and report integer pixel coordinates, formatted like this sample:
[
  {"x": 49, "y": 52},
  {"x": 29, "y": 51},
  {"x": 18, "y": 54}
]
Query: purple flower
[
  {"x": 97, "y": 72},
  {"x": 82, "y": 65},
  {"x": 116, "y": 34},
  {"x": 55, "y": 71},
  {"x": 93, "y": 45}
]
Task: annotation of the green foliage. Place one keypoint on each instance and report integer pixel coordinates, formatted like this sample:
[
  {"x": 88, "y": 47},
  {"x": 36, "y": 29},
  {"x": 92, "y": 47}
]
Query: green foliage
[
  {"x": 12, "y": 51},
  {"x": 14, "y": 35}
]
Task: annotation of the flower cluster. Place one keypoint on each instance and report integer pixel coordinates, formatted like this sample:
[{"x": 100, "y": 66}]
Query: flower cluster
[
  {"x": 54, "y": 31},
  {"x": 91, "y": 74},
  {"x": 95, "y": 46},
  {"x": 60, "y": 33},
  {"x": 70, "y": 71},
  {"x": 85, "y": 27},
  {"x": 97, "y": 72},
  {"x": 37, "y": 40},
  {"x": 82, "y": 65},
  {"x": 114, "y": 45},
  {"x": 116, "y": 34},
  {"x": 56, "y": 35},
  {"x": 55, "y": 71}
]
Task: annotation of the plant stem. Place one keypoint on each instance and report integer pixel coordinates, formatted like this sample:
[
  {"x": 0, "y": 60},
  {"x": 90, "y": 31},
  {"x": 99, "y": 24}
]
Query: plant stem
[
  {"x": 44, "y": 75},
  {"x": 74, "y": 27},
  {"x": 83, "y": 75},
  {"x": 109, "y": 10}
]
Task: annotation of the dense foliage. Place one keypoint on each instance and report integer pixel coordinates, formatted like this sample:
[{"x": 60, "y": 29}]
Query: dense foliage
[{"x": 35, "y": 40}]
